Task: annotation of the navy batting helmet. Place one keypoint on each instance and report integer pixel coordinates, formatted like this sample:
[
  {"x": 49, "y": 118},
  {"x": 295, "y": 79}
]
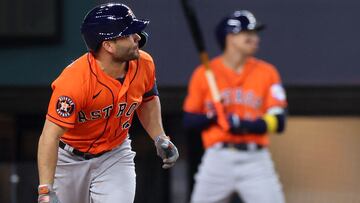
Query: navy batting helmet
[
  {"x": 238, "y": 21},
  {"x": 110, "y": 21}
]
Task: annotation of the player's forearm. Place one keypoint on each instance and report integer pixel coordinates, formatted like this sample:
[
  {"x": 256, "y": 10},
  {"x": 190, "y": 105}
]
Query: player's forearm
[
  {"x": 149, "y": 114},
  {"x": 197, "y": 121},
  {"x": 47, "y": 157},
  {"x": 48, "y": 151},
  {"x": 269, "y": 123}
]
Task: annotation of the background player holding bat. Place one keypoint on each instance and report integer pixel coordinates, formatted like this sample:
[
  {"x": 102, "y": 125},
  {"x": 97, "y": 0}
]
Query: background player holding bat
[
  {"x": 237, "y": 160},
  {"x": 84, "y": 152}
]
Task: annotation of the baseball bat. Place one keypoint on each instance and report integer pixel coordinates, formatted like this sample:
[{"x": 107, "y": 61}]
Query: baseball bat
[{"x": 197, "y": 36}]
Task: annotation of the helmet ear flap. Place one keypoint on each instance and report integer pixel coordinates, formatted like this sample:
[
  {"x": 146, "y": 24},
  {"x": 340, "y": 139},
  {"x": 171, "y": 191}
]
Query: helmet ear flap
[{"x": 144, "y": 38}]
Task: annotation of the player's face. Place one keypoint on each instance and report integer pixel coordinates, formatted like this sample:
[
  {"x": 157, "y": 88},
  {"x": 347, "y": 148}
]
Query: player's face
[
  {"x": 245, "y": 42},
  {"x": 126, "y": 48}
]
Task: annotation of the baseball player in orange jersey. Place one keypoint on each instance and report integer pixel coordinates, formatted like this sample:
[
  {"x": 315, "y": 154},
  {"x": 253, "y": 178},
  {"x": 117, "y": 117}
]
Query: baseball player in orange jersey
[
  {"x": 237, "y": 161},
  {"x": 84, "y": 152}
]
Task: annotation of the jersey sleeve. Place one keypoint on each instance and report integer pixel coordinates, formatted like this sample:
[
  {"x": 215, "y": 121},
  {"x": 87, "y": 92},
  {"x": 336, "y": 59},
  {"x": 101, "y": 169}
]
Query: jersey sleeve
[
  {"x": 195, "y": 99},
  {"x": 275, "y": 93},
  {"x": 151, "y": 93},
  {"x": 66, "y": 101},
  {"x": 151, "y": 89}
]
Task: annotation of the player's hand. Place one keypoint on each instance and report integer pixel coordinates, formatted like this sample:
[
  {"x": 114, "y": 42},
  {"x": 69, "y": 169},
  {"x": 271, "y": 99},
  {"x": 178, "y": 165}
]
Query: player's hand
[
  {"x": 235, "y": 124},
  {"x": 47, "y": 195},
  {"x": 166, "y": 150}
]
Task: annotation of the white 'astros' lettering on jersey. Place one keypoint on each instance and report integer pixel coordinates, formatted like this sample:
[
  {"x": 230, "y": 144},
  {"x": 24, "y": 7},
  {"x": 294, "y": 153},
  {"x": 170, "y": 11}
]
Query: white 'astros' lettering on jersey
[{"x": 238, "y": 95}]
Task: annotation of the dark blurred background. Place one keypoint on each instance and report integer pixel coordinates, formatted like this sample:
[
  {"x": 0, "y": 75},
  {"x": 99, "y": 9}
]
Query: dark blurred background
[{"x": 314, "y": 44}]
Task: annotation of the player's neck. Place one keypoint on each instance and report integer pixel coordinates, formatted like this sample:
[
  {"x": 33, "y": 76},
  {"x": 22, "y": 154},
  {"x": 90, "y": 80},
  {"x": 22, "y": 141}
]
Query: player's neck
[
  {"x": 234, "y": 60},
  {"x": 112, "y": 68}
]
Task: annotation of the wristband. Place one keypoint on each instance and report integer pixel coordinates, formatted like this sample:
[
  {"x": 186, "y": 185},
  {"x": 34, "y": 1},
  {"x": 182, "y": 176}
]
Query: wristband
[
  {"x": 44, "y": 189},
  {"x": 271, "y": 123}
]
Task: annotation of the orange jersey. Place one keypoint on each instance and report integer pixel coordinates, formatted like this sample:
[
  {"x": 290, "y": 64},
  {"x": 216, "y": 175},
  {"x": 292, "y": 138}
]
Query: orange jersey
[
  {"x": 248, "y": 94},
  {"x": 97, "y": 109}
]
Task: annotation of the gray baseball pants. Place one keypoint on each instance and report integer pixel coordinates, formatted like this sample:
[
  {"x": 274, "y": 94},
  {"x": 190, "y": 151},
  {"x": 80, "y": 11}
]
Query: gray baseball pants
[
  {"x": 225, "y": 171},
  {"x": 109, "y": 178}
]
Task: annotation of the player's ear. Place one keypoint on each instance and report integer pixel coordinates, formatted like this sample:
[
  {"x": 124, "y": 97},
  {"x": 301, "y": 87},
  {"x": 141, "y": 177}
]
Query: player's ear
[{"x": 108, "y": 46}]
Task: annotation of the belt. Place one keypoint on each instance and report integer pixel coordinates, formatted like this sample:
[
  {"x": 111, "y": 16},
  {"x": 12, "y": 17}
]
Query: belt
[
  {"x": 84, "y": 155},
  {"x": 243, "y": 146}
]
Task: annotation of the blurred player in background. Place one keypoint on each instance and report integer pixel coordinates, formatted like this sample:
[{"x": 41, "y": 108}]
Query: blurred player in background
[
  {"x": 84, "y": 152},
  {"x": 238, "y": 160}
]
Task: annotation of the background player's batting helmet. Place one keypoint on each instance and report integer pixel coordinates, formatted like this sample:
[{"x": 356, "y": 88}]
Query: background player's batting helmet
[
  {"x": 110, "y": 21},
  {"x": 238, "y": 21}
]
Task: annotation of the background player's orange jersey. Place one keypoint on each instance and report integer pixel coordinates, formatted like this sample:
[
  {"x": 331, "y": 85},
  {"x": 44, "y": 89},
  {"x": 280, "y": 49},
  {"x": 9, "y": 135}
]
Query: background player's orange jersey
[
  {"x": 248, "y": 94},
  {"x": 96, "y": 108}
]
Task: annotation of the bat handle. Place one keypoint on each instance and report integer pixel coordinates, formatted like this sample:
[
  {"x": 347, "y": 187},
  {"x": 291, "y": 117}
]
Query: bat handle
[
  {"x": 215, "y": 94},
  {"x": 204, "y": 58}
]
